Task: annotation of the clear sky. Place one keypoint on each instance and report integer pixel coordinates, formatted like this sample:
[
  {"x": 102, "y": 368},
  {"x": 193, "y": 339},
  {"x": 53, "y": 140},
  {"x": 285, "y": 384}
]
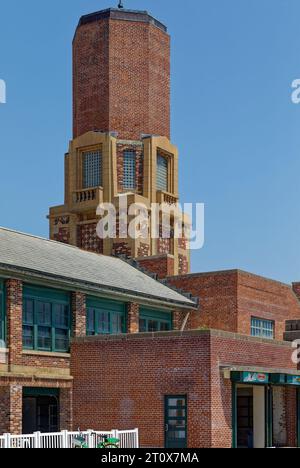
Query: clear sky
[{"x": 237, "y": 130}]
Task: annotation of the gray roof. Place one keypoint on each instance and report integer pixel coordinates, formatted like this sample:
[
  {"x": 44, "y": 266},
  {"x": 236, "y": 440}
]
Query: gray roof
[{"x": 35, "y": 256}]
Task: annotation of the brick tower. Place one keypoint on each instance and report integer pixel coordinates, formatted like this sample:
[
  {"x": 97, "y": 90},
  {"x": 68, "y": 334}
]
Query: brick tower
[{"x": 121, "y": 135}]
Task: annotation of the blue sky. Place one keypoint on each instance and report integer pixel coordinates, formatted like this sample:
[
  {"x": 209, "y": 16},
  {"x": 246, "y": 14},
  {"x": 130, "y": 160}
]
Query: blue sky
[{"x": 238, "y": 133}]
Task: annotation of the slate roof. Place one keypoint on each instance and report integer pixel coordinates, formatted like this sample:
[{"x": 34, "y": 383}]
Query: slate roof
[{"x": 27, "y": 255}]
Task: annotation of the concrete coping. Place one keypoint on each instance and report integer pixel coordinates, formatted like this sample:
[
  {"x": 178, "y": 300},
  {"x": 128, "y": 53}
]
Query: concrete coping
[
  {"x": 180, "y": 334},
  {"x": 264, "y": 370}
]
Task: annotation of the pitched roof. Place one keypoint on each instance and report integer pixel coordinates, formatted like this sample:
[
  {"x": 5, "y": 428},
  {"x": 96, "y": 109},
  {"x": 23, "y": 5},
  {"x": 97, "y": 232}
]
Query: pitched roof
[{"x": 40, "y": 257}]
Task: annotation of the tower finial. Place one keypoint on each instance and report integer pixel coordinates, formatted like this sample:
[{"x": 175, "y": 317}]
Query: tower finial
[{"x": 120, "y": 4}]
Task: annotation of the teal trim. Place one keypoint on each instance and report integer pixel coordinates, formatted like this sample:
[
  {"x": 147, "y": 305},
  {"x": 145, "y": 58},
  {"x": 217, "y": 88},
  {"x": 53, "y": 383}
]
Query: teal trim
[
  {"x": 105, "y": 304},
  {"x": 34, "y": 392},
  {"x": 269, "y": 416},
  {"x": 234, "y": 415},
  {"x": 171, "y": 442},
  {"x": 105, "y": 317},
  {"x": 46, "y": 293},
  {"x": 46, "y": 319},
  {"x": 250, "y": 377},
  {"x": 298, "y": 417},
  {"x": 155, "y": 314},
  {"x": 278, "y": 379}
]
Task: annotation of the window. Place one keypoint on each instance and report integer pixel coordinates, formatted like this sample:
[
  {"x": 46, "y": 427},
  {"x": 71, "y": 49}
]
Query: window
[
  {"x": 262, "y": 328},
  {"x": 92, "y": 169},
  {"x": 46, "y": 320},
  {"x": 105, "y": 317},
  {"x": 129, "y": 178},
  {"x": 155, "y": 321},
  {"x": 2, "y": 313},
  {"x": 162, "y": 173}
]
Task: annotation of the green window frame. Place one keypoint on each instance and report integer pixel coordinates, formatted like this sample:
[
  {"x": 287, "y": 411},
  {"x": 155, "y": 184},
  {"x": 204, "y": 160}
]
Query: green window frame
[
  {"x": 2, "y": 311},
  {"x": 152, "y": 320},
  {"x": 105, "y": 317},
  {"x": 46, "y": 320}
]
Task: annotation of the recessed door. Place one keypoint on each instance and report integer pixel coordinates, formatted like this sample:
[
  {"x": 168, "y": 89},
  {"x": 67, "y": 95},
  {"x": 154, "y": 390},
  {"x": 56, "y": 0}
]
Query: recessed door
[{"x": 176, "y": 422}]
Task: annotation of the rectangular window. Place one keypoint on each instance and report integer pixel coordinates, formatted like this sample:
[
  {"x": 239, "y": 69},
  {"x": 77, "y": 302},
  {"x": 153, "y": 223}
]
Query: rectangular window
[
  {"x": 92, "y": 169},
  {"x": 46, "y": 320},
  {"x": 2, "y": 313},
  {"x": 155, "y": 321},
  {"x": 262, "y": 328},
  {"x": 129, "y": 168},
  {"x": 105, "y": 317},
  {"x": 162, "y": 173}
]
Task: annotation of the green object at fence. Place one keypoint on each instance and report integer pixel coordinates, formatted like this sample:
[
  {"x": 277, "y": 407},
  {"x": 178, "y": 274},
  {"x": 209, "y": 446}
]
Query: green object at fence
[{"x": 80, "y": 442}]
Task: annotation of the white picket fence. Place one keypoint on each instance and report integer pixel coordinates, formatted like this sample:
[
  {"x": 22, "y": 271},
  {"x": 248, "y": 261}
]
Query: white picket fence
[{"x": 65, "y": 439}]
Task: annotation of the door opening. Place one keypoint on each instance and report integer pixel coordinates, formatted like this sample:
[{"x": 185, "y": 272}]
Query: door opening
[{"x": 176, "y": 421}]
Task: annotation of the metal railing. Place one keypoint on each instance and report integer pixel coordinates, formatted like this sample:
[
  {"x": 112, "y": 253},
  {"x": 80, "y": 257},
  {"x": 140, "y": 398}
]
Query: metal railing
[{"x": 65, "y": 439}]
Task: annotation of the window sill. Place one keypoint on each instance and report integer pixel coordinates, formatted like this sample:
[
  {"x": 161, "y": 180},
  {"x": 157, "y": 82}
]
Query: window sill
[{"x": 28, "y": 352}]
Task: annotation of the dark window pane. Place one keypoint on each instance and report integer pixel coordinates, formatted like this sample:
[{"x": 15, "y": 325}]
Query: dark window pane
[
  {"x": 91, "y": 321},
  {"x": 28, "y": 312},
  {"x": 44, "y": 313},
  {"x": 61, "y": 340},
  {"x": 143, "y": 326},
  {"x": 164, "y": 326},
  {"x": 44, "y": 338},
  {"x": 116, "y": 324},
  {"x": 28, "y": 340},
  {"x": 60, "y": 315},
  {"x": 153, "y": 326},
  {"x": 104, "y": 322}
]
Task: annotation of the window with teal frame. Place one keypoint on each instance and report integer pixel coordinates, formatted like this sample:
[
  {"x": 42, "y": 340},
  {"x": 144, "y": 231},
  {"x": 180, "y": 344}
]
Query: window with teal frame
[
  {"x": 105, "y": 317},
  {"x": 152, "y": 320},
  {"x": 46, "y": 320},
  {"x": 2, "y": 312}
]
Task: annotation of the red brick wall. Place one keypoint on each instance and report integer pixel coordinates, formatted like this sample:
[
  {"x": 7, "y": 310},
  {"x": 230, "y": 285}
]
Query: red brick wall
[
  {"x": 121, "y": 78},
  {"x": 162, "y": 265},
  {"x": 229, "y": 299},
  {"x": 126, "y": 379},
  {"x": 218, "y": 299},
  {"x": 262, "y": 298}
]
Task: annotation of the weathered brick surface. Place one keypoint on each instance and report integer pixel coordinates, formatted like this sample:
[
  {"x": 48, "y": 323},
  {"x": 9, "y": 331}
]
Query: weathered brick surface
[
  {"x": 14, "y": 317},
  {"x": 79, "y": 314},
  {"x": 228, "y": 300},
  {"x": 121, "y": 78},
  {"x": 148, "y": 367},
  {"x": 161, "y": 265},
  {"x": 133, "y": 318}
]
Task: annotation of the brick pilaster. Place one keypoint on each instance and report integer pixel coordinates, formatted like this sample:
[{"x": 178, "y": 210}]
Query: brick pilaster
[
  {"x": 66, "y": 409},
  {"x": 79, "y": 314},
  {"x": 14, "y": 314},
  {"x": 15, "y": 409},
  {"x": 133, "y": 318}
]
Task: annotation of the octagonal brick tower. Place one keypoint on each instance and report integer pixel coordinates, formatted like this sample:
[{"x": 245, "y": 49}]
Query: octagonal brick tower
[{"x": 121, "y": 75}]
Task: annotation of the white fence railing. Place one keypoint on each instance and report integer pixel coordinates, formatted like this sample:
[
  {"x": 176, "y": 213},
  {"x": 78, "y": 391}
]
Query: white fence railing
[{"x": 65, "y": 439}]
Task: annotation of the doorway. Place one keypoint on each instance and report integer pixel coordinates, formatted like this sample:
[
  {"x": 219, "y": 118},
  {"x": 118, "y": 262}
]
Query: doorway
[
  {"x": 176, "y": 422},
  {"x": 245, "y": 425},
  {"x": 40, "y": 412}
]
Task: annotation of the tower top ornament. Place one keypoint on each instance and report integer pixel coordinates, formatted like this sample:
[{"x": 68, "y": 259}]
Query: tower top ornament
[{"x": 120, "y": 4}]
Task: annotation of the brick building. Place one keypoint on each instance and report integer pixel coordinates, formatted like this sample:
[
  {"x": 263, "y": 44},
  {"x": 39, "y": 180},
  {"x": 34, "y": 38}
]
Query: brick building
[
  {"x": 91, "y": 340},
  {"x": 50, "y": 292}
]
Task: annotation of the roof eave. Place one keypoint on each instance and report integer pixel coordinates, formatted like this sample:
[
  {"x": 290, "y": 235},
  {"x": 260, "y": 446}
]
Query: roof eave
[{"x": 61, "y": 282}]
